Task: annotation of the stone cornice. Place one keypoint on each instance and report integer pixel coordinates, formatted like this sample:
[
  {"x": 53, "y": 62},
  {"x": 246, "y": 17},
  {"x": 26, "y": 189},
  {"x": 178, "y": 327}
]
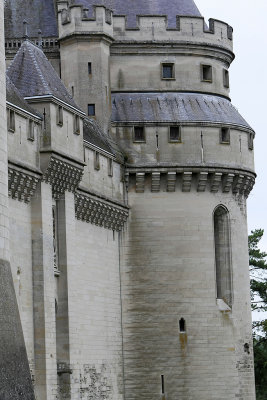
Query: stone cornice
[
  {"x": 224, "y": 180},
  {"x": 102, "y": 213},
  {"x": 62, "y": 175},
  {"x": 22, "y": 182}
]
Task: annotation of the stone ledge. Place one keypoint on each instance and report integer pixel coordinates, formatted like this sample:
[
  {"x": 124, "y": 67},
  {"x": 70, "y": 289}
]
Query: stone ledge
[{"x": 225, "y": 181}]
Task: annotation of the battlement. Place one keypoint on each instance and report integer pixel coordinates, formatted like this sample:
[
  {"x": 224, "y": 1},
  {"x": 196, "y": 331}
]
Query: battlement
[{"x": 74, "y": 20}]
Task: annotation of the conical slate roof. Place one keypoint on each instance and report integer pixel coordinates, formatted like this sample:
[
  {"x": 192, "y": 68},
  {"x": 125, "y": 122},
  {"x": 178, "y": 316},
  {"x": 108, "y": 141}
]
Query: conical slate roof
[
  {"x": 33, "y": 75},
  {"x": 40, "y": 14},
  {"x": 132, "y": 8}
]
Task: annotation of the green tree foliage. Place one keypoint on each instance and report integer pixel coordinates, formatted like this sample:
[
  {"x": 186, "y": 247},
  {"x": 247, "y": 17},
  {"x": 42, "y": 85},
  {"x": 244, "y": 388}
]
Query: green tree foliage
[
  {"x": 258, "y": 275},
  {"x": 258, "y": 272}
]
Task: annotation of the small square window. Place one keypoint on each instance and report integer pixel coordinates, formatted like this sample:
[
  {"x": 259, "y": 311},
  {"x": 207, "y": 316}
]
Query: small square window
[
  {"x": 175, "y": 134},
  {"x": 225, "y": 135},
  {"x": 139, "y": 134},
  {"x": 168, "y": 71},
  {"x": 60, "y": 115},
  {"x": 89, "y": 68},
  {"x": 11, "y": 121},
  {"x": 110, "y": 167},
  {"x": 76, "y": 124},
  {"x": 91, "y": 110},
  {"x": 250, "y": 141},
  {"x": 96, "y": 160},
  {"x": 206, "y": 73},
  {"x": 31, "y": 130},
  {"x": 226, "y": 78}
]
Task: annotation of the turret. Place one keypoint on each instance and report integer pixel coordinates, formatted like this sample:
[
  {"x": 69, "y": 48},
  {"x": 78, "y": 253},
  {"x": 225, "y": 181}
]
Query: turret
[{"x": 85, "y": 58}]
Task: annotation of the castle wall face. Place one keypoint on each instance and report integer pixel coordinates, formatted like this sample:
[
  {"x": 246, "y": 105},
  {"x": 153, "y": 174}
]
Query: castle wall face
[
  {"x": 129, "y": 251},
  {"x": 169, "y": 275},
  {"x": 94, "y": 315}
]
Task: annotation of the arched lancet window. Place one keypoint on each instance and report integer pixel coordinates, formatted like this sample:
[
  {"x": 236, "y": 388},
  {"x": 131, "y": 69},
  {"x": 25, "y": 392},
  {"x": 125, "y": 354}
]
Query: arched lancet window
[{"x": 223, "y": 254}]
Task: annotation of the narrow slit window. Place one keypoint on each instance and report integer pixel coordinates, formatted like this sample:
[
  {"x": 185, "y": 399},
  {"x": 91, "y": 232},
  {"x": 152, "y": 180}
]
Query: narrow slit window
[
  {"x": 162, "y": 385},
  {"x": 206, "y": 71},
  {"x": 31, "y": 130},
  {"x": 182, "y": 326},
  {"x": 55, "y": 237},
  {"x": 175, "y": 134},
  {"x": 110, "y": 167},
  {"x": 60, "y": 115},
  {"x": 225, "y": 135},
  {"x": 91, "y": 110},
  {"x": 226, "y": 78},
  {"x": 250, "y": 141},
  {"x": 77, "y": 124},
  {"x": 139, "y": 134},
  {"x": 96, "y": 161},
  {"x": 223, "y": 255},
  {"x": 167, "y": 71},
  {"x": 11, "y": 121},
  {"x": 89, "y": 68}
]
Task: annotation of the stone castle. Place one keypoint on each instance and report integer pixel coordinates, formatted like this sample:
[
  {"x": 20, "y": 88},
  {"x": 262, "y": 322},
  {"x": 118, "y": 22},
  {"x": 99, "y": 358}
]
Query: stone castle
[{"x": 125, "y": 171}]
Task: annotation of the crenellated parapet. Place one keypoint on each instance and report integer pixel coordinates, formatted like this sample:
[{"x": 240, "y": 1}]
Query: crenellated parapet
[
  {"x": 188, "y": 29},
  {"x": 74, "y": 20}
]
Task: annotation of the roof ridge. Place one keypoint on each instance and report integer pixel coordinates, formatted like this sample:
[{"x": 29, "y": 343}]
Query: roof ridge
[{"x": 37, "y": 66}]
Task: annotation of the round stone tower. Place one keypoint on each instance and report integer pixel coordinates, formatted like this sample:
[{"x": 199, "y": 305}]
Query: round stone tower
[{"x": 189, "y": 169}]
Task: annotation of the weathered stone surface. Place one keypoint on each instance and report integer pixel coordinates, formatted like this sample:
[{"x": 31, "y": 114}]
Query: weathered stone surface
[{"x": 15, "y": 378}]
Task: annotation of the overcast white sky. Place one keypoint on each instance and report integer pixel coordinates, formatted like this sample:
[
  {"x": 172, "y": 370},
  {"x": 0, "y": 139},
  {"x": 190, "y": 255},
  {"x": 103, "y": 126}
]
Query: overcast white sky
[{"x": 248, "y": 79}]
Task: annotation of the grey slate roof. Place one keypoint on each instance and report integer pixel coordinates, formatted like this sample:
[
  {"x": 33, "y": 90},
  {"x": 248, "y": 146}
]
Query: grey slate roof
[
  {"x": 40, "y": 14},
  {"x": 92, "y": 133},
  {"x": 174, "y": 107},
  {"x": 33, "y": 75},
  {"x": 14, "y": 97},
  {"x": 132, "y": 8}
]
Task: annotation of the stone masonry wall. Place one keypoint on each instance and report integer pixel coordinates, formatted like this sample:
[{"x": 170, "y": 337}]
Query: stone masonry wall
[{"x": 169, "y": 274}]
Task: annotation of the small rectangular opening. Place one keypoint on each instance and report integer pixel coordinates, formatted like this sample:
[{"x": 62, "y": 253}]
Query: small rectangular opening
[
  {"x": 226, "y": 78},
  {"x": 167, "y": 71},
  {"x": 175, "y": 134},
  {"x": 11, "y": 121},
  {"x": 139, "y": 134},
  {"x": 206, "y": 73},
  {"x": 162, "y": 385},
  {"x": 60, "y": 115},
  {"x": 225, "y": 135},
  {"x": 182, "y": 326},
  {"x": 89, "y": 68},
  {"x": 250, "y": 141},
  {"x": 96, "y": 160},
  {"x": 31, "y": 130},
  {"x": 91, "y": 110},
  {"x": 77, "y": 124},
  {"x": 110, "y": 167}
]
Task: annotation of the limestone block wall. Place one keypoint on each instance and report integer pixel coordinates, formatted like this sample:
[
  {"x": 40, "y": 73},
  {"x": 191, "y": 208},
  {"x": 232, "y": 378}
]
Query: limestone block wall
[
  {"x": 21, "y": 148},
  {"x": 237, "y": 154},
  {"x": 95, "y": 315},
  {"x": 137, "y": 67},
  {"x": 21, "y": 266},
  {"x": 168, "y": 273},
  {"x": 99, "y": 180}
]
